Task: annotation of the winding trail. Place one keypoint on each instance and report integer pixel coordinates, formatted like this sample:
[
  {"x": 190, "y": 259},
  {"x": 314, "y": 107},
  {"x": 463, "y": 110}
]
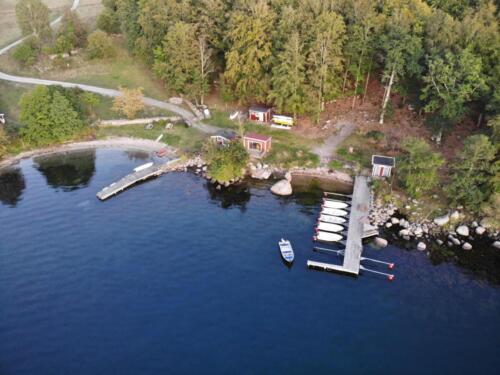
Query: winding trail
[{"x": 188, "y": 116}]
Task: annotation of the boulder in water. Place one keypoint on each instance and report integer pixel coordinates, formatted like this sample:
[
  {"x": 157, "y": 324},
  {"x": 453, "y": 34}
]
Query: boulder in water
[
  {"x": 381, "y": 242},
  {"x": 282, "y": 187},
  {"x": 421, "y": 246},
  {"x": 467, "y": 246}
]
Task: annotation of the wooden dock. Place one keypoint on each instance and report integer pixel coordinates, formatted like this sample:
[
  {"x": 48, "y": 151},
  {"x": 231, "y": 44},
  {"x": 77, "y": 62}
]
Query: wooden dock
[
  {"x": 360, "y": 207},
  {"x": 133, "y": 178}
]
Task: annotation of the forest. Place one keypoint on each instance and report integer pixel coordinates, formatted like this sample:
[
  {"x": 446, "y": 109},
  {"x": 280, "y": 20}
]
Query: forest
[{"x": 443, "y": 55}]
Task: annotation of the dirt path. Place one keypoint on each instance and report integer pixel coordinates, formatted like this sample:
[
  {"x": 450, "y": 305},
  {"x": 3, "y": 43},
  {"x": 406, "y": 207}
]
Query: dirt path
[{"x": 326, "y": 150}]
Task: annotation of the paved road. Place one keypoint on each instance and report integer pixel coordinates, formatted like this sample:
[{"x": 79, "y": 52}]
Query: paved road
[
  {"x": 326, "y": 150},
  {"x": 188, "y": 116}
]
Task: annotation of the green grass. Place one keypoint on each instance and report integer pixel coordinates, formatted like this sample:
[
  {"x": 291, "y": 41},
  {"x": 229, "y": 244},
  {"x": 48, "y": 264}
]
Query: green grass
[
  {"x": 288, "y": 148},
  {"x": 335, "y": 164},
  {"x": 362, "y": 150},
  {"x": 188, "y": 140},
  {"x": 104, "y": 110}
]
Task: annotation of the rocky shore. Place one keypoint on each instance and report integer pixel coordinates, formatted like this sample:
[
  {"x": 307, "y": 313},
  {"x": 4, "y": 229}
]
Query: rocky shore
[{"x": 448, "y": 230}]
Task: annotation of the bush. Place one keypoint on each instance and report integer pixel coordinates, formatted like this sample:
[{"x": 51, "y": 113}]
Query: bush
[
  {"x": 375, "y": 135},
  {"x": 100, "y": 45},
  {"x": 108, "y": 21},
  {"x": 27, "y": 53},
  {"x": 226, "y": 162},
  {"x": 129, "y": 103}
]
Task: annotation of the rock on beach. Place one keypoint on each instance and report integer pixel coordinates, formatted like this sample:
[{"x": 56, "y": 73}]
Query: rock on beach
[{"x": 282, "y": 187}]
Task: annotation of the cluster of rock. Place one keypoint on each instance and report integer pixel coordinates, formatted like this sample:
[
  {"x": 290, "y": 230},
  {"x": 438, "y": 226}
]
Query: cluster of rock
[{"x": 442, "y": 230}]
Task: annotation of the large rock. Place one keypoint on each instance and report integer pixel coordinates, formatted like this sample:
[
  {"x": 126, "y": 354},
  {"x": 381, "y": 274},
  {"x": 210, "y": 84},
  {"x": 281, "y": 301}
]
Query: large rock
[
  {"x": 394, "y": 220},
  {"x": 496, "y": 245},
  {"x": 288, "y": 176},
  {"x": 480, "y": 230},
  {"x": 467, "y": 246},
  {"x": 381, "y": 242},
  {"x": 261, "y": 174},
  {"x": 442, "y": 220},
  {"x": 404, "y": 232},
  {"x": 421, "y": 246},
  {"x": 463, "y": 230},
  {"x": 282, "y": 187}
]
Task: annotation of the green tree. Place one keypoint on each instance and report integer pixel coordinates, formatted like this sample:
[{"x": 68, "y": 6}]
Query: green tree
[
  {"x": 249, "y": 56},
  {"x": 451, "y": 82},
  {"x": 288, "y": 91},
  {"x": 183, "y": 61},
  {"x": 418, "y": 167},
  {"x": 100, "y": 45},
  {"x": 494, "y": 124},
  {"x": 108, "y": 20},
  {"x": 90, "y": 102},
  {"x": 400, "y": 43},
  {"x": 128, "y": 16},
  {"x": 226, "y": 162},
  {"x": 33, "y": 18},
  {"x": 73, "y": 31},
  {"x": 472, "y": 173},
  {"x": 47, "y": 117},
  {"x": 324, "y": 63}
]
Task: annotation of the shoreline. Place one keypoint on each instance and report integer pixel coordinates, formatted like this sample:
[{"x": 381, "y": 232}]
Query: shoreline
[{"x": 125, "y": 143}]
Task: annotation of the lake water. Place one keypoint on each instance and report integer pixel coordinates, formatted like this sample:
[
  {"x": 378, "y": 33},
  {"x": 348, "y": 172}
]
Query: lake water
[{"x": 173, "y": 276}]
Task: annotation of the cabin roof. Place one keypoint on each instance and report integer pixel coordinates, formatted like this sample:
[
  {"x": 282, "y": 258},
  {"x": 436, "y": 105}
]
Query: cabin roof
[
  {"x": 258, "y": 137},
  {"x": 383, "y": 160},
  {"x": 259, "y": 109}
]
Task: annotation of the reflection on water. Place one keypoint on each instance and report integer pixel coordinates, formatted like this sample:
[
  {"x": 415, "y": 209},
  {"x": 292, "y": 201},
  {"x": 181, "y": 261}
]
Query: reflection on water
[
  {"x": 12, "y": 185},
  {"x": 235, "y": 195},
  {"x": 68, "y": 171},
  {"x": 137, "y": 155}
]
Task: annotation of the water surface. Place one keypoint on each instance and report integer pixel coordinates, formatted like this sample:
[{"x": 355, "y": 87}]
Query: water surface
[{"x": 173, "y": 276}]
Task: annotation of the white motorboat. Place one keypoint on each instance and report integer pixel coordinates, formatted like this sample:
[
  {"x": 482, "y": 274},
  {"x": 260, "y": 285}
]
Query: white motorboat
[
  {"x": 328, "y": 227},
  {"x": 332, "y": 219},
  {"x": 327, "y": 237},
  {"x": 334, "y": 204},
  {"x": 286, "y": 250},
  {"x": 333, "y": 211}
]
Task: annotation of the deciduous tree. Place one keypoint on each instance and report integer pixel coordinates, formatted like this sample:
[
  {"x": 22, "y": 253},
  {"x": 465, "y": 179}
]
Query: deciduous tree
[
  {"x": 130, "y": 102},
  {"x": 33, "y": 18}
]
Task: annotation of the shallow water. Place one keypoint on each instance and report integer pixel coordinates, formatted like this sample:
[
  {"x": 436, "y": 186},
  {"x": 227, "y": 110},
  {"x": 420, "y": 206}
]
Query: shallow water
[{"x": 172, "y": 276}]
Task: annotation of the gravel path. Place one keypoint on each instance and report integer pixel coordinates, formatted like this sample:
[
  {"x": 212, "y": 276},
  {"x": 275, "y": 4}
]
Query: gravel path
[
  {"x": 188, "y": 116},
  {"x": 326, "y": 150}
]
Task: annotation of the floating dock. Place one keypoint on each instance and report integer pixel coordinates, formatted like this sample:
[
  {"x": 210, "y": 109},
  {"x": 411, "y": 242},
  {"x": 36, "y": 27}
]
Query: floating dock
[
  {"x": 133, "y": 178},
  {"x": 358, "y": 218}
]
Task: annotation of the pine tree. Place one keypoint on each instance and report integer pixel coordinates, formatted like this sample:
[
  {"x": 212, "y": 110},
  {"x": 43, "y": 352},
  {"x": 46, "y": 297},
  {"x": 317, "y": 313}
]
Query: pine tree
[
  {"x": 288, "y": 78},
  {"x": 249, "y": 56}
]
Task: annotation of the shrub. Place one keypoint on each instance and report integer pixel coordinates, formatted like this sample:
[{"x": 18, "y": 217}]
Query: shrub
[
  {"x": 375, "y": 135},
  {"x": 108, "y": 21},
  {"x": 100, "y": 45},
  {"x": 27, "y": 53},
  {"x": 129, "y": 103}
]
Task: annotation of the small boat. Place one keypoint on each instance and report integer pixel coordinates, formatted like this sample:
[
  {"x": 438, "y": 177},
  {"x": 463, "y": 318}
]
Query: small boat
[
  {"x": 142, "y": 167},
  {"x": 334, "y": 204},
  {"x": 328, "y": 227},
  {"x": 332, "y": 219},
  {"x": 333, "y": 211},
  {"x": 161, "y": 153},
  {"x": 286, "y": 250},
  {"x": 327, "y": 237}
]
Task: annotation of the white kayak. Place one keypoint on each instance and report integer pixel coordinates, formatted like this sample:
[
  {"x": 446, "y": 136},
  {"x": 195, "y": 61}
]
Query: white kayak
[
  {"x": 328, "y": 227},
  {"x": 327, "y": 237},
  {"x": 142, "y": 167},
  {"x": 334, "y": 204},
  {"x": 286, "y": 250},
  {"x": 332, "y": 219},
  {"x": 333, "y": 211}
]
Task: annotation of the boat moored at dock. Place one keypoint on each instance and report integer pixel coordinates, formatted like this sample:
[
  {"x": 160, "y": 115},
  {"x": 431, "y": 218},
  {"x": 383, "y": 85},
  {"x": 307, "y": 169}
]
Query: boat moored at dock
[
  {"x": 332, "y": 219},
  {"x": 334, "y": 204},
  {"x": 328, "y": 227},
  {"x": 333, "y": 211},
  {"x": 327, "y": 237}
]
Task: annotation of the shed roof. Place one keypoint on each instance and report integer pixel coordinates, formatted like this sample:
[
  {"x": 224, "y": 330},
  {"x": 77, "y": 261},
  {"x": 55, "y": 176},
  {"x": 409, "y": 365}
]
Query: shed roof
[
  {"x": 259, "y": 109},
  {"x": 258, "y": 137},
  {"x": 383, "y": 160}
]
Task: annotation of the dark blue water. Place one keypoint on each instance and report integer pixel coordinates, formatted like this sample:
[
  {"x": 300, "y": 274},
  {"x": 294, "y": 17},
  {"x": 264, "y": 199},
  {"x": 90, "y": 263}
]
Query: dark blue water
[{"x": 173, "y": 277}]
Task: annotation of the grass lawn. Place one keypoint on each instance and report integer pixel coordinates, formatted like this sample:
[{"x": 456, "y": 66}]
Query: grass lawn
[
  {"x": 363, "y": 149},
  {"x": 9, "y": 99},
  {"x": 187, "y": 139}
]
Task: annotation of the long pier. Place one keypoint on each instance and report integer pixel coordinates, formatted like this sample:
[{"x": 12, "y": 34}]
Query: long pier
[
  {"x": 360, "y": 206},
  {"x": 133, "y": 178}
]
